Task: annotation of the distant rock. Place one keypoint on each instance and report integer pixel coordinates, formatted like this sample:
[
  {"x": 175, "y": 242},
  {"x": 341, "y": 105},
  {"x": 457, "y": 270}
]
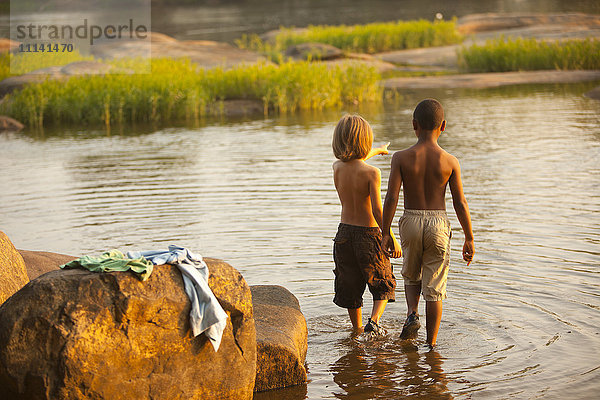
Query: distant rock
[
  {"x": 75, "y": 334},
  {"x": 379, "y": 65},
  {"x": 7, "y": 45},
  {"x": 8, "y": 124},
  {"x": 475, "y": 23},
  {"x": 13, "y": 275},
  {"x": 313, "y": 51},
  {"x": 205, "y": 53},
  {"x": 39, "y": 262},
  {"x": 442, "y": 56},
  {"x": 270, "y": 36},
  {"x": 281, "y": 336},
  {"x": 490, "y": 79},
  {"x": 594, "y": 93},
  {"x": 13, "y": 83}
]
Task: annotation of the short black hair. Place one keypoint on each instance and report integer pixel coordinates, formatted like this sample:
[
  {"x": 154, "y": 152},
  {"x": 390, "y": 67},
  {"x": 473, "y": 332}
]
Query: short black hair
[{"x": 429, "y": 114}]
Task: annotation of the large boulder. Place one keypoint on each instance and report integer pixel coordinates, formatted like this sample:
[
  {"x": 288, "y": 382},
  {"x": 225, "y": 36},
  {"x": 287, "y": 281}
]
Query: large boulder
[
  {"x": 39, "y": 262},
  {"x": 13, "y": 274},
  {"x": 74, "y": 334},
  {"x": 281, "y": 336}
]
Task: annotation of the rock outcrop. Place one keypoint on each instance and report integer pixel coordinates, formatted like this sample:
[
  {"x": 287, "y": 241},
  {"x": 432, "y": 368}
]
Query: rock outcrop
[
  {"x": 13, "y": 274},
  {"x": 75, "y": 334},
  {"x": 39, "y": 262},
  {"x": 490, "y": 79},
  {"x": 13, "y": 83},
  {"x": 475, "y": 23},
  {"x": 205, "y": 53},
  {"x": 281, "y": 336}
]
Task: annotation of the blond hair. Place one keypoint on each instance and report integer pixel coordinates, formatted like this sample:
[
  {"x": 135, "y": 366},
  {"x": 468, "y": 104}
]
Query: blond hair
[{"x": 352, "y": 138}]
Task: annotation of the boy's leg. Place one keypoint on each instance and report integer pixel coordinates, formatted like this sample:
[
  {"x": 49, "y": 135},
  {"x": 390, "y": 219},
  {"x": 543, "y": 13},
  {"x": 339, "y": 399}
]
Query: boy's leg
[
  {"x": 378, "y": 307},
  {"x": 356, "y": 318},
  {"x": 412, "y": 293},
  {"x": 433, "y": 317}
]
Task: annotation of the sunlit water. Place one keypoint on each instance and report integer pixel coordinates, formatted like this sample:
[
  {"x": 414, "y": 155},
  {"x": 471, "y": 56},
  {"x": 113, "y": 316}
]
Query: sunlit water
[
  {"x": 523, "y": 321},
  {"x": 227, "y": 20}
]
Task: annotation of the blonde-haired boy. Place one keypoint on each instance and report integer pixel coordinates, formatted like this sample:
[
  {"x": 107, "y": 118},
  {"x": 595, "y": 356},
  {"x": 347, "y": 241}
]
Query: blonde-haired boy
[{"x": 359, "y": 257}]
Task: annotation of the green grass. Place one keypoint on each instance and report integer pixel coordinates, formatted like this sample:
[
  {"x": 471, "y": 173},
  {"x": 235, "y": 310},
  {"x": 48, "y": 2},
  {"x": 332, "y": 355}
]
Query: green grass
[
  {"x": 369, "y": 38},
  {"x": 180, "y": 90},
  {"x": 502, "y": 55}
]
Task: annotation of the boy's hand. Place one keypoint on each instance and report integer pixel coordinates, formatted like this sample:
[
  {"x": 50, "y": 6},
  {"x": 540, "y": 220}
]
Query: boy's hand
[
  {"x": 468, "y": 251},
  {"x": 382, "y": 150},
  {"x": 391, "y": 247}
]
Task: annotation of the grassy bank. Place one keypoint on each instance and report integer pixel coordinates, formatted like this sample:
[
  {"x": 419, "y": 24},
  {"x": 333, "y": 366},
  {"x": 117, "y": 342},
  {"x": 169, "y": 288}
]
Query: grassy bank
[
  {"x": 502, "y": 55},
  {"x": 11, "y": 64},
  {"x": 369, "y": 38},
  {"x": 179, "y": 90}
]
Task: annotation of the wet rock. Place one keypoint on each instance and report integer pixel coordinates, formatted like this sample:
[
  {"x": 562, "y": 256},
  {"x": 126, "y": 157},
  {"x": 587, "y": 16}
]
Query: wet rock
[
  {"x": 75, "y": 334},
  {"x": 13, "y": 275},
  {"x": 281, "y": 336},
  {"x": 8, "y": 124},
  {"x": 594, "y": 93},
  {"x": 39, "y": 262},
  {"x": 313, "y": 51}
]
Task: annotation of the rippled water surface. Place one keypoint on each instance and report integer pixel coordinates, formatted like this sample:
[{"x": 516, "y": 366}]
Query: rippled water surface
[{"x": 523, "y": 321}]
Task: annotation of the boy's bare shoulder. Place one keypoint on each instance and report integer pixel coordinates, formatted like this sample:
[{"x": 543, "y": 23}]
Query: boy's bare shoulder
[{"x": 450, "y": 158}]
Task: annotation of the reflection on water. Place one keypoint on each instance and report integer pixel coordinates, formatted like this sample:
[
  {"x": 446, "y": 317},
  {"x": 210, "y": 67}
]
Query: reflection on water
[
  {"x": 227, "y": 20},
  {"x": 382, "y": 367},
  {"x": 521, "y": 322}
]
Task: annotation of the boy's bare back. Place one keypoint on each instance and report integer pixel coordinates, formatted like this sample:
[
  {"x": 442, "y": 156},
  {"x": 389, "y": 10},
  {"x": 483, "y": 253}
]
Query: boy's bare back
[
  {"x": 425, "y": 170},
  {"x": 357, "y": 183}
]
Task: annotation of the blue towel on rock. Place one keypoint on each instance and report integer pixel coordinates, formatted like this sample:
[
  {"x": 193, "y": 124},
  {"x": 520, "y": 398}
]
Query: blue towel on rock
[{"x": 206, "y": 314}]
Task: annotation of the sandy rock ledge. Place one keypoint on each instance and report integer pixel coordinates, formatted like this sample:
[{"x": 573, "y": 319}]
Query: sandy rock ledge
[{"x": 281, "y": 336}]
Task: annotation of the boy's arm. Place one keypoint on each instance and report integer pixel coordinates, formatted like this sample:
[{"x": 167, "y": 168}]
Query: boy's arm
[
  {"x": 378, "y": 150},
  {"x": 462, "y": 211},
  {"x": 375, "y": 195},
  {"x": 389, "y": 243}
]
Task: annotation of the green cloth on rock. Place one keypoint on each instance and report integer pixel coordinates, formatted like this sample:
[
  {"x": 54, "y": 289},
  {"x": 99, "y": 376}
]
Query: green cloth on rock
[{"x": 113, "y": 260}]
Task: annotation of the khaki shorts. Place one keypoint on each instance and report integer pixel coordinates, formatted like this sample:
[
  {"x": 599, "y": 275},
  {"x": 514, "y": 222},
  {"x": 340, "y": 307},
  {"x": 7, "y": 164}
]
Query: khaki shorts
[{"x": 425, "y": 239}]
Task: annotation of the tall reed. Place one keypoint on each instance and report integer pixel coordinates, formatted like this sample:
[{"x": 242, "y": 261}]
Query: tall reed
[
  {"x": 500, "y": 55},
  {"x": 180, "y": 90},
  {"x": 369, "y": 38}
]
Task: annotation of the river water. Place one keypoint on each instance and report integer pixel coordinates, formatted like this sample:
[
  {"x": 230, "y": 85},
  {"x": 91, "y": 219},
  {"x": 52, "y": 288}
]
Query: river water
[{"x": 523, "y": 321}]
